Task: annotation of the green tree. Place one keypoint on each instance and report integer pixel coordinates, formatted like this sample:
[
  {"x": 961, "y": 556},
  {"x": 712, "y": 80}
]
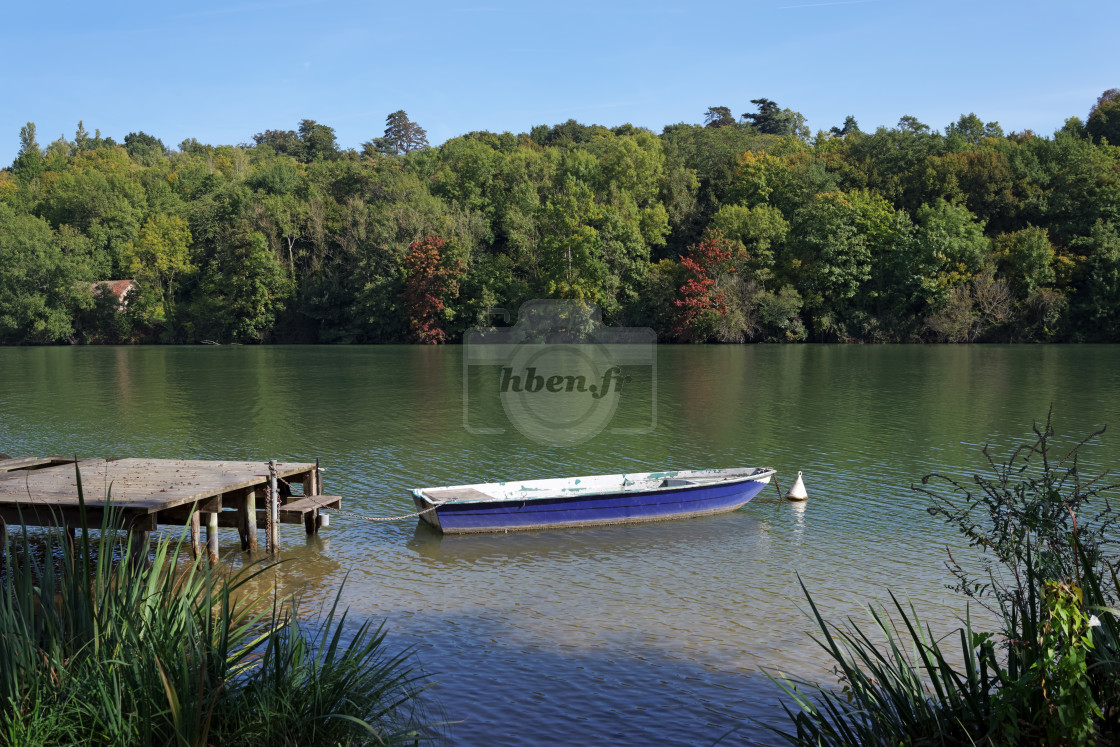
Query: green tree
[
  {"x": 887, "y": 160},
  {"x": 567, "y": 133},
  {"x": 29, "y": 160},
  {"x": 144, "y": 148},
  {"x": 908, "y": 123},
  {"x": 972, "y": 129},
  {"x": 1067, "y": 185},
  {"x": 718, "y": 116},
  {"x": 243, "y": 290},
  {"x": 159, "y": 256},
  {"x": 758, "y": 229},
  {"x": 37, "y": 282},
  {"x": 950, "y": 249},
  {"x": 631, "y": 164},
  {"x": 883, "y": 310},
  {"x": 764, "y": 178},
  {"x": 1026, "y": 259},
  {"x": 1097, "y": 307},
  {"x": 850, "y": 127},
  {"x": 82, "y": 140},
  {"x": 318, "y": 141},
  {"x": 572, "y": 264},
  {"x": 284, "y": 218},
  {"x": 278, "y": 176},
  {"x": 402, "y": 136},
  {"x": 282, "y": 142},
  {"x": 831, "y": 260},
  {"x": 96, "y": 192},
  {"x": 466, "y": 174},
  {"x": 1104, "y": 118},
  {"x": 770, "y": 120}
]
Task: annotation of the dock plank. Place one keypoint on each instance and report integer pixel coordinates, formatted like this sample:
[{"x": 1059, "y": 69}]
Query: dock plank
[
  {"x": 301, "y": 506},
  {"x": 19, "y": 464},
  {"x": 138, "y": 485},
  {"x": 140, "y": 494}
]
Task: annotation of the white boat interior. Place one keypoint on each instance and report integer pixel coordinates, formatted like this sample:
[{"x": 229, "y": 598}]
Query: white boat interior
[{"x": 527, "y": 490}]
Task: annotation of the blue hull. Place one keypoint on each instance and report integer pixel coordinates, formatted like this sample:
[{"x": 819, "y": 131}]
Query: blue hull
[{"x": 592, "y": 509}]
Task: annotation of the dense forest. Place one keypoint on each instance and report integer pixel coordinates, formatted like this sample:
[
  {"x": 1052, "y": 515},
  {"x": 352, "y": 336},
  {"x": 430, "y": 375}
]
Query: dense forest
[{"x": 731, "y": 230}]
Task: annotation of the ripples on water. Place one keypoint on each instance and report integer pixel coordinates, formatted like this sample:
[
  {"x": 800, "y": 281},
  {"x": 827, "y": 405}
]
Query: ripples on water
[{"x": 629, "y": 634}]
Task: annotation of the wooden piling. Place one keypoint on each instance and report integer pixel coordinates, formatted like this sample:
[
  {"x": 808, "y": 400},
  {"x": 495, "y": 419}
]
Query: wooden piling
[
  {"x": 196, "y": 531},
  {"x": 140, "y": 537},
  {"x": 140, "y": 540},
  {"x": 312, "y": 487},
  {"x": 247, "y": 516},
  {"x": 212, "y": 536}
]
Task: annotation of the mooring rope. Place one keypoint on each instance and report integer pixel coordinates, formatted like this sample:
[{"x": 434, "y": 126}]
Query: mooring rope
[
  {"x": 351, "y": 514},
  {"x": 383, "y": 518}
]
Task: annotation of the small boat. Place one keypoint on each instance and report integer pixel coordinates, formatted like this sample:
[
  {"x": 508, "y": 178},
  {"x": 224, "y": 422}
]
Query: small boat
[{"x": 588, "y": 501}]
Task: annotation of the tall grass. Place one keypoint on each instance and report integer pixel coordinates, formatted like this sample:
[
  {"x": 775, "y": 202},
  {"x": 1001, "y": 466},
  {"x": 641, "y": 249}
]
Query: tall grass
[
  {"x": 1050, "y": 675},
  {"x": 102, "y": 647}
]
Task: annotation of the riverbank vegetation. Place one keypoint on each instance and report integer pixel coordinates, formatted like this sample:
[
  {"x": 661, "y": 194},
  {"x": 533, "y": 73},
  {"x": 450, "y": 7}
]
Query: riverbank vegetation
[
  {"x": 1046, "y": 532},
  {"x": 102, "y": 648},
  {"x": 734, "y": 229}
]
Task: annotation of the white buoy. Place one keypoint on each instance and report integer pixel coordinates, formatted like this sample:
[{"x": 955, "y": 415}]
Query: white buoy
[{"x": 797, "y": 491}]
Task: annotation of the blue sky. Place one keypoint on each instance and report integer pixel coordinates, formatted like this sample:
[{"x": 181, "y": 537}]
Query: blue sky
[{"x": 221, "y": 72}]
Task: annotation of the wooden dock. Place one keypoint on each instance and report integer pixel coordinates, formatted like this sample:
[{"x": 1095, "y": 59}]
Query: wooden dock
[{"x": 144, "y": 493}]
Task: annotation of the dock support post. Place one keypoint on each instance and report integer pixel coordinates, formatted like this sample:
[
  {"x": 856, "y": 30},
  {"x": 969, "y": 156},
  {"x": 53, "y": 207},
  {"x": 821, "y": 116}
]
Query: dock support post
[
  {"x": 273, "y": 509},
  {"x": 140, "y": 540},
  {"x": 212, "y": 536},
  {"x": 247, "y": 520},
  {"x": 196, "y": 531},
  {"x": 312, "y": 486},
  {"x": 140, "y": 537}
]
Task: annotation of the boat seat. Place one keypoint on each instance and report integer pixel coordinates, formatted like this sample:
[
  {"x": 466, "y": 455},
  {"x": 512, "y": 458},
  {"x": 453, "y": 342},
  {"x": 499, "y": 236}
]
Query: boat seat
[
  {"x": 450, "y": 495},
  {"x": 674, "y": 482}
]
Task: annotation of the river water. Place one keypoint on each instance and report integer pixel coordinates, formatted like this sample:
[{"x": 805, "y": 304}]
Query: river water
[{"x": 641, "y": 634}]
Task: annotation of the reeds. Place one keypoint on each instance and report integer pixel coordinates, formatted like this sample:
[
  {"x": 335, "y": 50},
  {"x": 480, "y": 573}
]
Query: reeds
[
  {"x": 1050, "y": 675},
  {"x": 102, "y": 647}
]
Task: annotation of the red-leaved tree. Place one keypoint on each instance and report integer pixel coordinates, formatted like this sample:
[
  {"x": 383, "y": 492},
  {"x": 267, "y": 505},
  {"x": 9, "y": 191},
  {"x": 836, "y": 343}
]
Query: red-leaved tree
[
  {"x": 431, "y": 280},
  {"x": 700, "y": 302}
]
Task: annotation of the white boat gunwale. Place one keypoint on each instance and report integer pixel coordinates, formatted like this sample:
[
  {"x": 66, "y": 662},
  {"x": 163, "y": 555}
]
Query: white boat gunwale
[{"x": 597, "y": 485}]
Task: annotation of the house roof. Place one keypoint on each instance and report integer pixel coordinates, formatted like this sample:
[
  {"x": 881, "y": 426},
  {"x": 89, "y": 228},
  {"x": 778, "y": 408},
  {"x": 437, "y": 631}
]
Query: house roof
[{"x": 118, "y": 288}]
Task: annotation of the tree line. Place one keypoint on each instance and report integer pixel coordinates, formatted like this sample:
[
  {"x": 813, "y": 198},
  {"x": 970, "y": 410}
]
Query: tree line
[{"x": 731, "y": 230}]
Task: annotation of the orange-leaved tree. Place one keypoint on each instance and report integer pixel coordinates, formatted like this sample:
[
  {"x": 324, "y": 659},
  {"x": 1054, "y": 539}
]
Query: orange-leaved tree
[{"x": 431, "y": 279}]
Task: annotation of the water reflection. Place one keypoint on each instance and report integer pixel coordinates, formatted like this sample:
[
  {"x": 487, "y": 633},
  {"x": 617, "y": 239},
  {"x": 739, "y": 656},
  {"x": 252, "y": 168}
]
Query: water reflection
[
  {"x": 588, "y": 627},
  {"x": 601, "y": 544}
]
